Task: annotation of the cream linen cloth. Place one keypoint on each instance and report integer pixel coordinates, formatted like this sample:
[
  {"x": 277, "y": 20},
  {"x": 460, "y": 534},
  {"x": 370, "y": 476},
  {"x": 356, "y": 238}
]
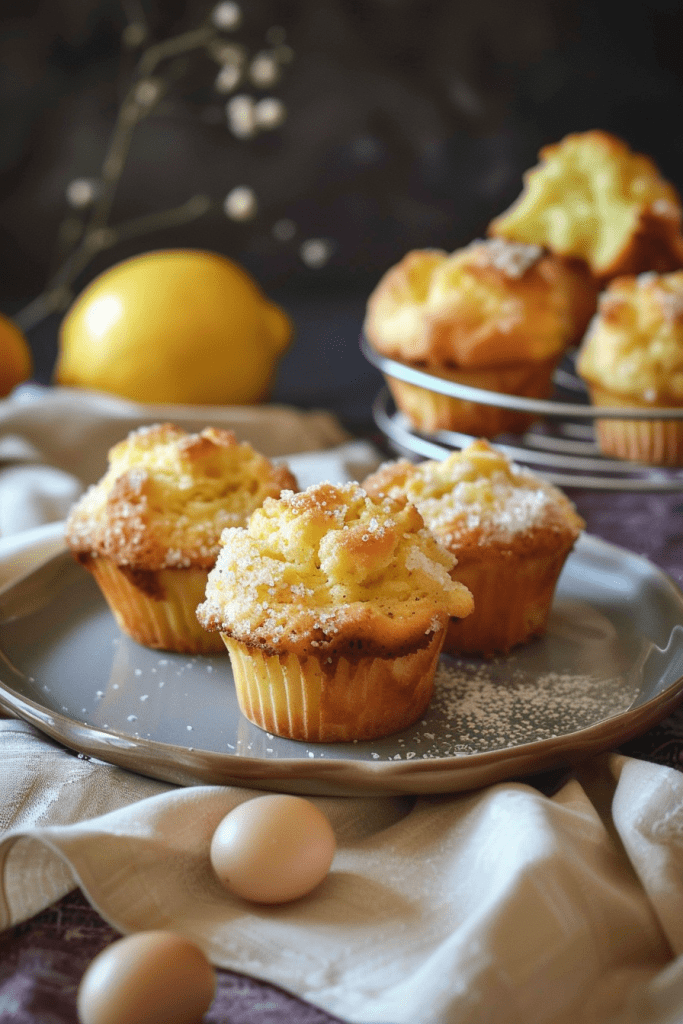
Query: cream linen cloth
[{"x": 503, "y": 905}]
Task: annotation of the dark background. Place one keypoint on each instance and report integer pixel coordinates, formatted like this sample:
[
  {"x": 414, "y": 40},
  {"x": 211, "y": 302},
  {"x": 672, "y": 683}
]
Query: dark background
[{"x": 409, "y": 123}]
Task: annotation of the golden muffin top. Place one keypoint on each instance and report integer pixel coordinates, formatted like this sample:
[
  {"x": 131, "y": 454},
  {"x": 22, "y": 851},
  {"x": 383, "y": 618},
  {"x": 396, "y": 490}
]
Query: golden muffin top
[
  {"x": 330, "y": 571},
  {"x": 490, "y": 303},
  {"x": 167, "y": 496},
  {"x": 477, "y": 497},
  {"x": 634, "y": 346},
  {"x": 592, "y": 198}
]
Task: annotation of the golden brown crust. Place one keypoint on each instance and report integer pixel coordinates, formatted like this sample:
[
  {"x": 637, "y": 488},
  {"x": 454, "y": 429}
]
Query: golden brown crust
[
  {"x": 509, "y": 530},
  {"x": 592, "y": 198},
  {"x": 634, "y": 346},
  {"x": 330, "y": 573},
  {"x": 493, "y": 303},
  {"x": 632, "y": 356},
  {"x": 476, "y": 498},
  {"x": 395, "y": 315},
  {"x": 168, "y": 494}
]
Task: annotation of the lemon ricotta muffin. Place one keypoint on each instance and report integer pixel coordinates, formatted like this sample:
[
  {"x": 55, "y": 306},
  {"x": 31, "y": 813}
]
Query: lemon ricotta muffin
[
  {"x": 495, "y": 315},
  {"x": 510, "y": 531},
  {"x": 592, "y": 198},
  {"x": 149, "y": 531},
  {"x": 632, "y": 355},
  {"x": 334, "y": 609}
]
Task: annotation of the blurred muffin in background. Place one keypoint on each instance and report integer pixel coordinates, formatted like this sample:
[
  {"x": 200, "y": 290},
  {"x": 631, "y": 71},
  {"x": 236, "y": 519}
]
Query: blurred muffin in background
[
  {"x": 495, "y": 315},
  {"x": 632, "y": 356},
  {"x": 592, "y": 198}
]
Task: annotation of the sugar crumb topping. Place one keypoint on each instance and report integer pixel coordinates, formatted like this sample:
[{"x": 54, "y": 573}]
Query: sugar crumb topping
[
  {"x": 167, "y": 496},
  {"x": 476, "y": 493},
  {"x": 634, "y": 345},
  {"x": 514, "y": 259},
  {"x": 327, "y": 562}
]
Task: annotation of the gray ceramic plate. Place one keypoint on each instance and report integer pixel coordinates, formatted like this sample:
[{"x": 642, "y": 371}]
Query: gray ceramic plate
[{"x": 610, "y": 666}]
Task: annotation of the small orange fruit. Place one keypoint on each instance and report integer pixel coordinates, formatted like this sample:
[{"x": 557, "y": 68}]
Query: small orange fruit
[
  {"x": 174, "y": 326},
  {"x": 16, "y": 361}
]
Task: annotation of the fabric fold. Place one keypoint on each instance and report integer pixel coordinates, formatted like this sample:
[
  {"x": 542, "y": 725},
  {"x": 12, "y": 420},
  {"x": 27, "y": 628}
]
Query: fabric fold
[
  {"x": 501, "y": 904},
  {"x": 648, "y": 814}
]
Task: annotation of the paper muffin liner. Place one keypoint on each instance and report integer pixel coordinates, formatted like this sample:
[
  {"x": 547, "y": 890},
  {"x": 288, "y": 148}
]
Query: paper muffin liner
[
  {"x": 430, "y": 411},
  {"x": 655, "y": 442},
  {"x": 513, "y": 594},
  {"x": 321, "y": 702},
  {"x": 157, "y": 609}
]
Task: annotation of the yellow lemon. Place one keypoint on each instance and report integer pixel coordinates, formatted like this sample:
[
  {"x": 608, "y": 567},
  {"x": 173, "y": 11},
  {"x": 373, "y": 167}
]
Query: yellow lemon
[
  {"x": 177, "y": 325},
  {"x": 16, "y": 361}
]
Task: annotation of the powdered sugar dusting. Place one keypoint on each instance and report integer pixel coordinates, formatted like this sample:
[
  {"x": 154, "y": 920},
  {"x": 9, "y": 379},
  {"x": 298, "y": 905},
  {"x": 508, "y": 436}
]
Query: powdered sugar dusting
[
  {"x": 477, "y": 496},
  {"x": 515, "y": 508},
  {"x": 512, "y": 258},
  {"x": 479, "y": 710}
]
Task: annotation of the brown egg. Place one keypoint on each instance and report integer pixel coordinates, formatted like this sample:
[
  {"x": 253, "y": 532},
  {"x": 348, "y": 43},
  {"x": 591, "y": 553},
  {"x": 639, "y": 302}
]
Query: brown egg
[
  {"x": 273, "y": 848},
  {"x": 153, "y": 977}
]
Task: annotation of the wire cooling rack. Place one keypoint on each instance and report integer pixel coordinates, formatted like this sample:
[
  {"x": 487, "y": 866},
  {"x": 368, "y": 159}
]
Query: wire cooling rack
[{"x": 560, "y": 445}]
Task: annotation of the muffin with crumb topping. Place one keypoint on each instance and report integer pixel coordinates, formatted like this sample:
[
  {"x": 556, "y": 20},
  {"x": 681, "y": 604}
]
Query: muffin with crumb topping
[
  {"x": 509, "y": 530},
  {"x": 632, "y": 356},
  {"x": 334, "y": 608},
  {"x": 149, "y": 530},
  {"x": 591, "y": 198},
  {"x": 494, "y": 315}
]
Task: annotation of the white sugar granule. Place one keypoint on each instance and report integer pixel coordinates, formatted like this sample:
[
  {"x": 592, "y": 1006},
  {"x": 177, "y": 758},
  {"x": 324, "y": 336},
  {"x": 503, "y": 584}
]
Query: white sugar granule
[
  {"x": 474, "y": 709},
  {"x": 512, "y": 258}
]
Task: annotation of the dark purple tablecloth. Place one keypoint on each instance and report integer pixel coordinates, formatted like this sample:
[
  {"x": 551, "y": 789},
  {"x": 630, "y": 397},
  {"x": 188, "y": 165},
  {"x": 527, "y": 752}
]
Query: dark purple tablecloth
[
  {"x": 648, "y": 524},
  {"x": 42, "y": 961}
]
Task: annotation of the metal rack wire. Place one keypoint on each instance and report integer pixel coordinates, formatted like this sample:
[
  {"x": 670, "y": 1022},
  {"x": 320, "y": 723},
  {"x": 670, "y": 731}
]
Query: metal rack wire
[{"x": 560, "y": 445}]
